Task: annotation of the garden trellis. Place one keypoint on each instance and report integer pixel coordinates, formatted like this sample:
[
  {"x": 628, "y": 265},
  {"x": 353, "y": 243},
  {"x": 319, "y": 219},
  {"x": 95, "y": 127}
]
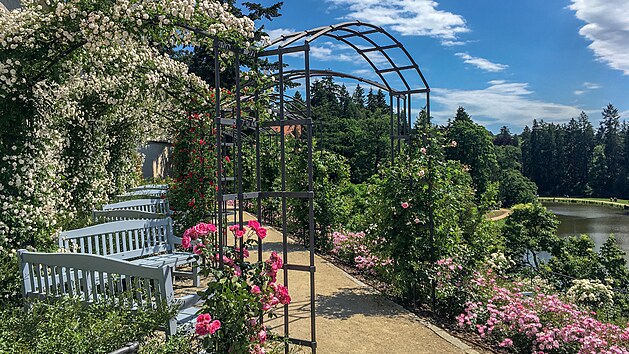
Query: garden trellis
[{"x": 288, "y": 116}]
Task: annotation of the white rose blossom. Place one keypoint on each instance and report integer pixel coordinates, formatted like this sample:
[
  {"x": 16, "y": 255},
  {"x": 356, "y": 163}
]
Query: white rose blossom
[{"x": 89, "y": 76}]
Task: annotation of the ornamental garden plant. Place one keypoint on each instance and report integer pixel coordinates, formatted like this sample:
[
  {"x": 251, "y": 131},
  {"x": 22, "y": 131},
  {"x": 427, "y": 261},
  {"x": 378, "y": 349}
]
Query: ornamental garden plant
[
  {"x": 240, "y": 294},
  {"x": 82, "y": 84}
]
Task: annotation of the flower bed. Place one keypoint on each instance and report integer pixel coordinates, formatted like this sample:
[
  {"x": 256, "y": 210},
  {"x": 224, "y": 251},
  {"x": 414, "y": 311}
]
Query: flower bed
[{"x": 539, "y": 323}]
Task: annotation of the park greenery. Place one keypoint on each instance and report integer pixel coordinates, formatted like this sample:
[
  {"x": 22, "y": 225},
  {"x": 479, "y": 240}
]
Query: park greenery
[{"x": 79, "y": 79}]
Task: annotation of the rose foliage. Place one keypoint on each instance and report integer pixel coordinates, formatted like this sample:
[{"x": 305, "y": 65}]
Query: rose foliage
[
  {"x": 82, "y": 84},
  {"x": 240, "y": 294}
]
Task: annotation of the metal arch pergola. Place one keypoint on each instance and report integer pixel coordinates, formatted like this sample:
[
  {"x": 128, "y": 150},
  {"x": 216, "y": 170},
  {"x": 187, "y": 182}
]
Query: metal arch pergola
[
  {"x": 232, "y": 123},
  {"x": 299, "y": 43},
  {"x": 347, "y": 33}
]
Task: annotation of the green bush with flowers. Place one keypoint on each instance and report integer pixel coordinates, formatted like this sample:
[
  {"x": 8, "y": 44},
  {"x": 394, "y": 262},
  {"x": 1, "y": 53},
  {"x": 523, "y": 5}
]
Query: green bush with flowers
[
  {"x": 240, "y": 294},
  {"x": 84, "y": 83}
]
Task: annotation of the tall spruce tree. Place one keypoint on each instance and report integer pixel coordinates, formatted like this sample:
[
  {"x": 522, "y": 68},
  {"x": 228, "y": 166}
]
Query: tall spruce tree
[
  {"x": 474, "y": 148},
  {"x": 609, "y": 133}
]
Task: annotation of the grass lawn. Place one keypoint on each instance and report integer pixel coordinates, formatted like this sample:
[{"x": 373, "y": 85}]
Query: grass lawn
[{"x": 602, "y": 200}]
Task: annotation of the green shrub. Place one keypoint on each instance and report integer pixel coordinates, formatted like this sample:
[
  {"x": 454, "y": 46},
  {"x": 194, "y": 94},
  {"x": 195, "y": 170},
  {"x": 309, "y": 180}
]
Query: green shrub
[
  {"x": 400, "y": 203},
  {"x": 70, "y": 326},
  {"x": 330, "y": 180}
]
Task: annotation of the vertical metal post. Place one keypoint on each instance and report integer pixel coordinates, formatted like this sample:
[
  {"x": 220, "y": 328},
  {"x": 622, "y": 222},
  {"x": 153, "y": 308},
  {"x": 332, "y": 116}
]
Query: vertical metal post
[
  {"x": 239, "y": 159},
  {"x": 283, "y": 163},
  {"x": 258, "y": 177},
  {"x": 410, "y": 127},
  {"x": 431, "y": 212},
  {"x": 311, "y": 243},
  {"x": 219, "y": 153},
  {"x": 391, "y": 128},
  {"x": 398, "y": 124}
]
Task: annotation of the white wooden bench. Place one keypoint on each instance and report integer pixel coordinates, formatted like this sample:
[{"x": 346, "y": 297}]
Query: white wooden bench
[
  {"x": 148, "y": 205},
  {"x": 101, "y": 216},
  {"x": 141, "y": 242},
  {"x": 93, "y": 278},
  {"x": 150, "y": 186},
  {"x": 153, "y": 193}
]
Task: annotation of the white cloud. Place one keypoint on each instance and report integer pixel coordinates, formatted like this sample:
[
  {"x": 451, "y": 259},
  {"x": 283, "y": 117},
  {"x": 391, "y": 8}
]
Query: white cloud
[
  {"x": 449, "y": 43},
  {"x": 501, "y": 103},
  {"x": 587, "y": 86},
  {"x": 482, "y": 63},
  {"x": 407, "y": 17},
  {"x": 591, "y": 85},
  {"x": 275, "y": 33},
  {"x": 607, "y": 27},
  {"x": 328, "y": 51}
]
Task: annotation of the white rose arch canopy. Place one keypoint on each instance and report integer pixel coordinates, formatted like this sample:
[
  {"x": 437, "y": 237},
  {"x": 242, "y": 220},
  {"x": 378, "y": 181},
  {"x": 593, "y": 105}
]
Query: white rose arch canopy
[{"x": 394, "y": 71}]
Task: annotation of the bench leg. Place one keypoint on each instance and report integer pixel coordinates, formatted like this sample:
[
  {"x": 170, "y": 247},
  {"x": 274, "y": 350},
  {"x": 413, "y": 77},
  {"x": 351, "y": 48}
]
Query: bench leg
[
  {"x": 171, "y": 327},
  {"x": 196, "y": 279}
]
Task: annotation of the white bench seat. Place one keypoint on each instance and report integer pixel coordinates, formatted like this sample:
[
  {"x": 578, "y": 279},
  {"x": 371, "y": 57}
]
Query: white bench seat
[{"x": 138, "y": 241}]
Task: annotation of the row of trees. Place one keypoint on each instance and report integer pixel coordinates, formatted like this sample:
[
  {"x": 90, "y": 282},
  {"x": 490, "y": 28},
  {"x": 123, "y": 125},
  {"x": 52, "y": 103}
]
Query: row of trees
[
  {"x": 357, "y": 127},
  {"x": 575, "y": 159}
]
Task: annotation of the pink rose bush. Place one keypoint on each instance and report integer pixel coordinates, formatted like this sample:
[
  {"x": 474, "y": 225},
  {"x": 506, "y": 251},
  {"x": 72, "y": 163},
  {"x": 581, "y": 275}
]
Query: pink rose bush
[
  {"x": 537, "y": 323},
  {"x": 239, "y": 293},
  {"x": 356, "y": 248},
  {"x": 205, "y": 326}
]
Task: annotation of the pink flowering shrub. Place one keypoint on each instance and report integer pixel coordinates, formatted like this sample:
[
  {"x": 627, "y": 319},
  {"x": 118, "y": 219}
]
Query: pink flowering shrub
[
  {"x": 240, "y": 293},
  {"x": 357, "y": 249},
  {"x": 539, "y": 323}
]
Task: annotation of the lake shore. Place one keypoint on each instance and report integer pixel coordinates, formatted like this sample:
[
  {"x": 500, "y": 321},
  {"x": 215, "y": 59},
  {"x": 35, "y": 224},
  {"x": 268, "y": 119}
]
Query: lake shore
[{"x": 620, "y": 204}]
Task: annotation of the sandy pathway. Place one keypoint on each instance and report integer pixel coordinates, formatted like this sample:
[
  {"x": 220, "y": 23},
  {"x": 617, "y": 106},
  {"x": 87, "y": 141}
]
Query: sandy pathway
[{"x": 351, "y": 317}]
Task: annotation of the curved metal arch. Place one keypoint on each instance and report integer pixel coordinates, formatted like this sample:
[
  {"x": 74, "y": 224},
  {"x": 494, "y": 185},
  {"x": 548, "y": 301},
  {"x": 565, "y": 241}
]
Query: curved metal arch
[
  {"x": 300, "y": 74},
  {"x": 352, "y": 29}
]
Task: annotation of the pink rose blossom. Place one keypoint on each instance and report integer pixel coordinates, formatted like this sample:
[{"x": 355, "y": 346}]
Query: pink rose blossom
[
  {"x": 262, "y": 336},
  {"x": 215, "y": 326},
  {"x": 405, "y": 205},
  {"x": 255, "y": 290},
  {"x": 198, "y": 248},
  {"x": 282, "y": 294},
  {"x": 205, "y": 325},
  {"x": 253, "y": 224},
  {"x": 185, "y": 241}
]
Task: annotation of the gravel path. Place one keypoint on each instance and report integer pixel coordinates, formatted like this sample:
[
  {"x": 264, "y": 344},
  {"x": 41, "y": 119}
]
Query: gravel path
[{"x": 351, "y": 317}]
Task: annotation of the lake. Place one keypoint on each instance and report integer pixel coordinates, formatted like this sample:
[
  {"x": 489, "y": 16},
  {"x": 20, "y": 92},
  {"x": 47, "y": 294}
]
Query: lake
[{"x": 596, "y": 221}]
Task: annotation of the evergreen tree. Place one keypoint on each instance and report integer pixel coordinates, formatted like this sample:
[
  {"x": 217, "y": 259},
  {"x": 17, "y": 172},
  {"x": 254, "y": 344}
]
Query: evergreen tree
[
  {"x": 610, "y": 138},
  {"x": 504, "y": 137},
  {"x": 359, "y": 96},
  {"x": 598, "y": 171},
  {"x": 474, "y": 148}
]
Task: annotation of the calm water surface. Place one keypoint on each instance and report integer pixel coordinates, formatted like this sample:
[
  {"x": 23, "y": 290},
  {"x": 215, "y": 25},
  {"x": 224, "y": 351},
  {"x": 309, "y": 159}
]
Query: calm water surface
[{"x": 596, "y": 221}]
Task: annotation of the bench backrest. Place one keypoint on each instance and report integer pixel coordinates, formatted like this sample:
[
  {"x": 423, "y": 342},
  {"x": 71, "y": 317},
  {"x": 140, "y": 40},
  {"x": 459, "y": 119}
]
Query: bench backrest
[
  {"x": 151, "y": 186},
  {"x": 101, "y": 216},
  {"x": 122, "y": 239},
  {"x": 148, "y": 205},
  {"x": 155, "y": 193},
  {"x": 93, "y": 278}
]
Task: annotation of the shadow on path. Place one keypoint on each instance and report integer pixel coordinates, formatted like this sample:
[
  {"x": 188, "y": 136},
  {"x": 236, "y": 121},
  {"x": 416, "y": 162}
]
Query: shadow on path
[{"x": 346, "y": 303}]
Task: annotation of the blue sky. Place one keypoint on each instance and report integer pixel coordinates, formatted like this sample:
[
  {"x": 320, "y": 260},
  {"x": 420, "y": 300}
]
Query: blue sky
[{"x": 506, "y": 62}]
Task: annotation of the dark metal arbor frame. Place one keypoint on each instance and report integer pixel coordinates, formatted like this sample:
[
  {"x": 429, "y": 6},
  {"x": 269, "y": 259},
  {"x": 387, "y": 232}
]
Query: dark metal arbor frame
[
  {"x": 366, "y": 40},
  {"x": 232, "y": 124},
  {"x": 400, "y": 114}
]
